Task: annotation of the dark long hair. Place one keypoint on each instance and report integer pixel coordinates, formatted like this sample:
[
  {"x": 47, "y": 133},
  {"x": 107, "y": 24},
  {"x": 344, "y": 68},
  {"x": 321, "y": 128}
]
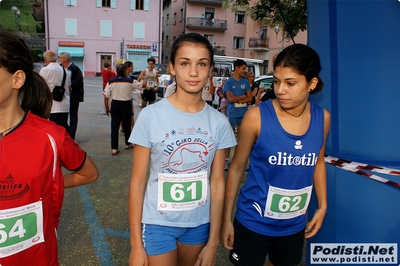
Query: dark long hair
[
  {"x": 191, "y": 38},
  {"x": 302, "y": 59},
  {"x": 35, "y": 94}
]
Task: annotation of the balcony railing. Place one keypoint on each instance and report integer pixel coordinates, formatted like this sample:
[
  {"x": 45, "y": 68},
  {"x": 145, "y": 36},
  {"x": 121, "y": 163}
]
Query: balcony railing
[
  {"x": 217, "y": 2},
  {"x": 219, "y": 50},
  {"x": 203, "y": 23},
  {"x": 258, "y": 43}
]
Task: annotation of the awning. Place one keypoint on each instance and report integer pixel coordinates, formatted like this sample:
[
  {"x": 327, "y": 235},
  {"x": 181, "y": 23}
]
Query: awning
[
  {"x": 138, "y": 51},
  {"x": 73, "y": 51}
]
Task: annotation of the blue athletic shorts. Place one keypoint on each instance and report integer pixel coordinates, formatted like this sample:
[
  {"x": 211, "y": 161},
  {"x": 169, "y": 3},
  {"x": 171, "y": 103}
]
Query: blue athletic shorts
[
  {"x": 159, "y": 239},
  {"x": 235, "y": 121}
]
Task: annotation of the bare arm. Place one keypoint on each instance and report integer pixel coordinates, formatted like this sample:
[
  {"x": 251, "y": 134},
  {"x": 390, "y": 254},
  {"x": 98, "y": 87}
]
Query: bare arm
[
  {"x": 249, "y": 133},
  {"x": 87, "y": 174},
  {"x": 142, "y": 74},
  {"x": 140, "y": 161},
  {"x": 258, "y": 97},
  {"x": 320, "y": 186},
  {"x": 230, "y": 97},
  {"x": 212, "y": 87},
  {"x": 217, "y": 189}
]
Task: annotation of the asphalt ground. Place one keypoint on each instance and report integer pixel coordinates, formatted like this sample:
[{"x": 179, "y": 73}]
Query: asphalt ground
[{"x": 94, "y": 228}]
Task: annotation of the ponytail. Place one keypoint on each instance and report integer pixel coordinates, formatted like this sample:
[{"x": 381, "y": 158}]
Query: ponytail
[{"x": 35, "y": 94}]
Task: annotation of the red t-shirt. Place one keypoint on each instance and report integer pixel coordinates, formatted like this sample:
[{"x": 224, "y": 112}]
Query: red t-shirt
[
  {"x": 107, "y": 75},
  {"x": 32, "y": 189}
]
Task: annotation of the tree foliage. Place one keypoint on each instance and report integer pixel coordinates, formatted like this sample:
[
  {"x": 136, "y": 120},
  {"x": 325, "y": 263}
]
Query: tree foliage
[{"x": 269, "y": 12}]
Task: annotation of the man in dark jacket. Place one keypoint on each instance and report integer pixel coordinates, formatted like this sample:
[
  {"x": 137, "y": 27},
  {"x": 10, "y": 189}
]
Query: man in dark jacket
[{"x": 76, "y": 95}]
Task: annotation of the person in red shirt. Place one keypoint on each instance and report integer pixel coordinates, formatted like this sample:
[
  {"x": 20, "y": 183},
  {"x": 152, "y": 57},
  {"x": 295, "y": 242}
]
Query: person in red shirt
[
  {"x": 107, "y": 73},
  {"x": 33, "y": 150}
]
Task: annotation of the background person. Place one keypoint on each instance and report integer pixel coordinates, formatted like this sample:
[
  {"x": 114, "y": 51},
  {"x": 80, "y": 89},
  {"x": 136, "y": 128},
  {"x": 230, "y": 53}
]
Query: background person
[
  {"x": 119, "y": 91},
  {"x": 150, "y": 83},
  {"x": 107, "y": 73},
  {"x": 238, "y": 94},
  {"x": 271, "y": 209},
  {"x": 209, "y": 90},
  {"x": 254, "y": 87},
  {"x": 53, "y": 74},
  {"x": 168, "y": 228},
  {"x": 77, "y": 91},
  {"x": 34, "y": 193}
]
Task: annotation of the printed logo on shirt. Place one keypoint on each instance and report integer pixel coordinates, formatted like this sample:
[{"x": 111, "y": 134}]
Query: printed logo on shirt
[
  {"x": 187, "y": 155},
  {"x": 10, "y": 190},
  {"x": 191, "y": 131},
  {"x": 283, "y": 158},
  {"x": 298, "y": 145}
]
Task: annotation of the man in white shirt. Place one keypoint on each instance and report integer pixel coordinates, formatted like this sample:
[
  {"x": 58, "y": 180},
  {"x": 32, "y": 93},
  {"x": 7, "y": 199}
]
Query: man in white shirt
[{"x": 53, "y": 75}]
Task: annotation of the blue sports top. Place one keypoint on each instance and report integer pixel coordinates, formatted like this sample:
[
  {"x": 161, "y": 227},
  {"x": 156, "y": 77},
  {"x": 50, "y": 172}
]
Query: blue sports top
[
  {"x": 238, "y": 88},
  {"x": 275, "y": 197}
]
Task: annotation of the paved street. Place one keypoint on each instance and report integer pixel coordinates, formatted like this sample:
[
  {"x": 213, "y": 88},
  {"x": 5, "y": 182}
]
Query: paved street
[{"x": 94, "y": 226}]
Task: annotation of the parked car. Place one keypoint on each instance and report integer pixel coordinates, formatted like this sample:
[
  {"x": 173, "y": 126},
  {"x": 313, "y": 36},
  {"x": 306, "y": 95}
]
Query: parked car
[
  {"x": 161, "y": 68},
  {"x": 135, "y": 74},
  {"x": 163, "y": 80},
  {"x": 38, "y": 66},
  {"x": 266, "y": 81}
]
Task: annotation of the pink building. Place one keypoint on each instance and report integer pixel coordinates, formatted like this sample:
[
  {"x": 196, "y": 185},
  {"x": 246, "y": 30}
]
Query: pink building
[
  {"x": 104, "y": 30},
  {"x": 232, "y": 33}
]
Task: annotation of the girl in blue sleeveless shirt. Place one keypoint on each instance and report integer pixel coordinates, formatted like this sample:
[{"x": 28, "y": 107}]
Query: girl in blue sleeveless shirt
[{"x": 285, "y": 141}]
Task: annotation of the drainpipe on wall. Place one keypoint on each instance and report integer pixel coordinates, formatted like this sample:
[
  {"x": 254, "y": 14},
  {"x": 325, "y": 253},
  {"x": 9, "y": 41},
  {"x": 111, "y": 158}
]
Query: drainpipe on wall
[
  {"x": 159, "y": 33},
  {"x": 46, "y": 28},
  {"x": 184, "y": 17}
]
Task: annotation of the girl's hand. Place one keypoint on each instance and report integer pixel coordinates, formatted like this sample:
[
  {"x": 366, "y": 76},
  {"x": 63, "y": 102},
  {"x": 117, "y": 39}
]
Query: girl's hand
[
  {"x": 206, "y": 256},
  {"x": 315, "y": 224},
  {"x": 138, "y": 257},
  {"x": 227, "y": 235}
]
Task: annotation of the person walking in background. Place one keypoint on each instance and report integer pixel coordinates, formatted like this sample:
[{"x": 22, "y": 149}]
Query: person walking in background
[
  {"x": 119, "y": 91},
  {"x": 238, "y": 94},
  {"x": 272, "y": 205},
  {"x": 129, "y": 69},
  {"x": 107, "y": 73},
  {"x": 53, "y": 74},
  {"x": 176, "y": 219},
  {"x": 209, "y": 90},
  {"x": 222, "y": 102},
  {"x": 254, "y": 87},
  {"x": 150, "y": 83},
  {"x": 33, "y": 152},
  {"x": 77, "y": 91}
]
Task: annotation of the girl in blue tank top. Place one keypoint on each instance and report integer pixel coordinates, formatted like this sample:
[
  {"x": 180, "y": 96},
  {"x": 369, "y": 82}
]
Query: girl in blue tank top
[{"x": 285, "y": 141}]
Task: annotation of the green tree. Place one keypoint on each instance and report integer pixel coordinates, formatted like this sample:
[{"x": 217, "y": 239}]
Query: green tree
[{"x": 289, "y": 15}]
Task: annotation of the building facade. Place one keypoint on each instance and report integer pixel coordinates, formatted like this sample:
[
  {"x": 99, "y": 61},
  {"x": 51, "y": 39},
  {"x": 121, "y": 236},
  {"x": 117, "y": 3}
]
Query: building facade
[
  {"x": 104, "y": 30},
  {"x": 232, "y": 33}
]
